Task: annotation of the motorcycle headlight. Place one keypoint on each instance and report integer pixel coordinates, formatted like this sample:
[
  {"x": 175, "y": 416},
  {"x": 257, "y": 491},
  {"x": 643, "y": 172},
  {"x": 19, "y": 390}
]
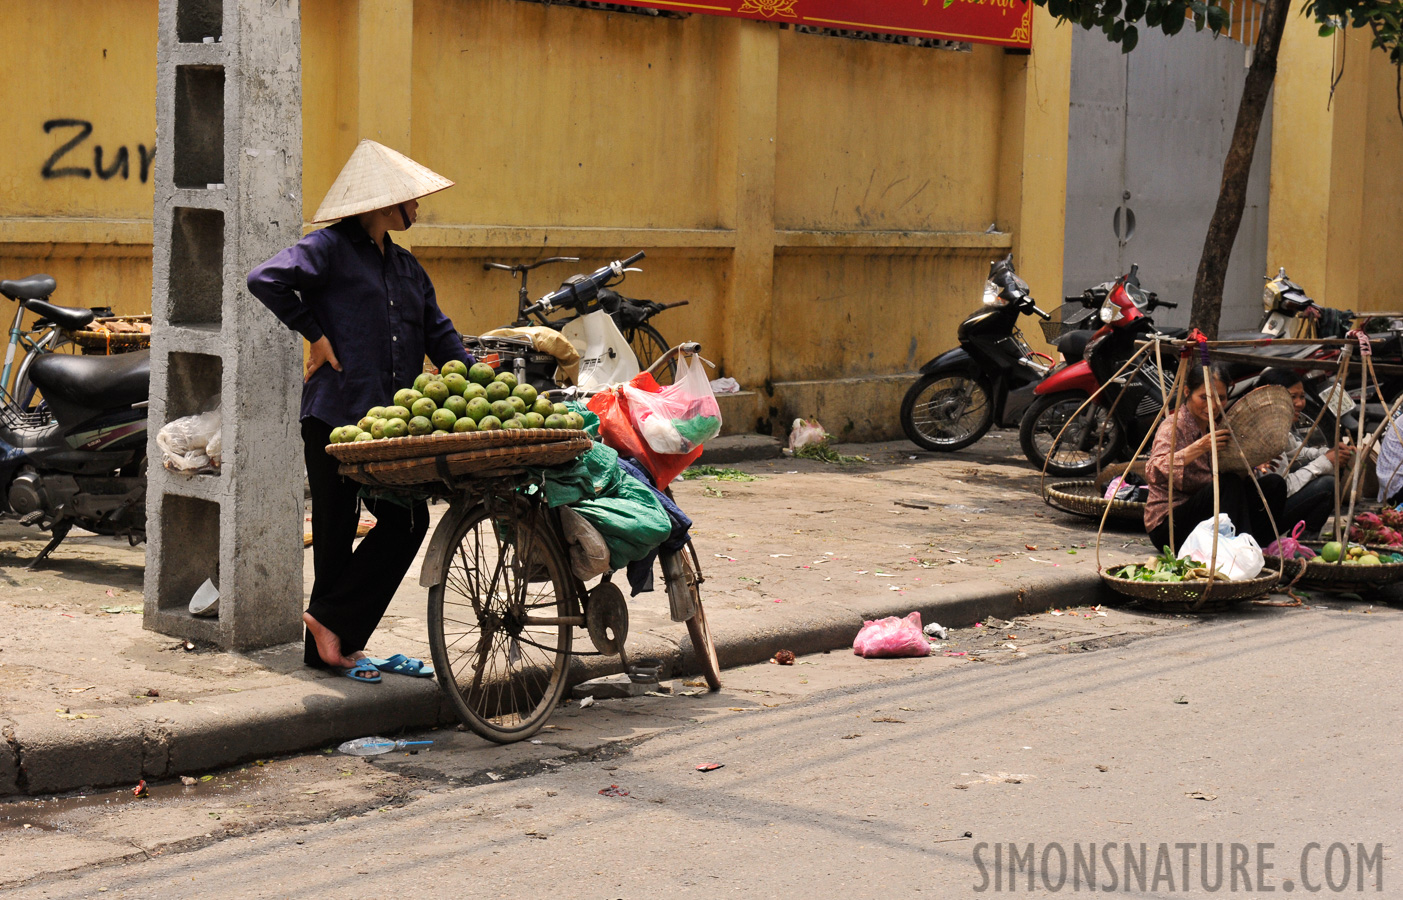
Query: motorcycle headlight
[
  {"x": 992, "y": 296},
  {"x": 1108, "y": 313}
]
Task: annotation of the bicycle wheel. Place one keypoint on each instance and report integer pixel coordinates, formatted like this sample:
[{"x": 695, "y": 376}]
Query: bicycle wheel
[
  {"x": 501, "y": 622},
  {"x": 648, "y": 345},
  {"x": 702, "y": 646},
  {"x": 24, "y": 388}
]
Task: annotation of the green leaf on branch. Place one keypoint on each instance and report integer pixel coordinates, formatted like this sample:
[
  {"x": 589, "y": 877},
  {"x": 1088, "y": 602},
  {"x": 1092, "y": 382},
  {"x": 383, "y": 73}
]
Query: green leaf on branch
[
  {"x": 1132, "y": 37},
  {"x": 1217, "y": 18},
  {"x": 1118, "y": 32},
  {"x": 1174, "y": 19}
]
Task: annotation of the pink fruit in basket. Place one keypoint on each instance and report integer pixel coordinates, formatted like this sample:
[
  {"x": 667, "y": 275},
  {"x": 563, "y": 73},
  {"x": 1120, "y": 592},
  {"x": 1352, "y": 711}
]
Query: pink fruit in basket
[{"x": 1368, "y": 520}]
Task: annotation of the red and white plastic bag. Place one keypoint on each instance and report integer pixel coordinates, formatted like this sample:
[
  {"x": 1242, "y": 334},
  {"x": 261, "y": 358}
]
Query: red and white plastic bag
[{"x": 680, "y": 416}]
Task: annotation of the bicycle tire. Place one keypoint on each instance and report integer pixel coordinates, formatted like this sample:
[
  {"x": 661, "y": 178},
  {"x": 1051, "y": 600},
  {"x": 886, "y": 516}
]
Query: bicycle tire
[
  {"x": 703, "y": 647},
  {"x": 648, "y": 344},
  {"x": 505, "y": 566}
]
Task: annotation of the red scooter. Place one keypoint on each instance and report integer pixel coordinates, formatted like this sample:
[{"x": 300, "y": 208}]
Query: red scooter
[{"x": 1097, "y": 434}]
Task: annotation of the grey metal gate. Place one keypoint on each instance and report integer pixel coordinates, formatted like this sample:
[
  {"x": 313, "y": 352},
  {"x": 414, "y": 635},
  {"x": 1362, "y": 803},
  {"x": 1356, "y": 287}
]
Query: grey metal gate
[{"x": 1147, "y": 135}]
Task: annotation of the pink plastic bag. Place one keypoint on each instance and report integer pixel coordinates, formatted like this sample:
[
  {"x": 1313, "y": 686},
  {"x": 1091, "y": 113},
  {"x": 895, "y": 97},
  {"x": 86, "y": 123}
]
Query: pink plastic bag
[
  {"x": 1289, "y": 546},
  {"x": 891, "y": 637}
]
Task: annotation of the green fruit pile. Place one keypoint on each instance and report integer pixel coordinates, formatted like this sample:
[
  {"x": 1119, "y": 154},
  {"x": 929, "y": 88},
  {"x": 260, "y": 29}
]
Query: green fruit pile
[
  {"x": 1356, "y": 554},
  {"x": 456, "y": 400}
]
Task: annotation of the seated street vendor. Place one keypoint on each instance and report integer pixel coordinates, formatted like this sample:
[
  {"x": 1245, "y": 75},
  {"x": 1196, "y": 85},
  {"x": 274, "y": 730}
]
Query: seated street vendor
[
  {"x": 368, "y": 310},
  {"x": 1192, "y": 471},
  {"x": 1310, "y": 482}
]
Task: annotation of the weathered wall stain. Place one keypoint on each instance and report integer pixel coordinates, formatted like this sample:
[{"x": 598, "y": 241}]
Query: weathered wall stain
[{"x": 121, "y": 160}]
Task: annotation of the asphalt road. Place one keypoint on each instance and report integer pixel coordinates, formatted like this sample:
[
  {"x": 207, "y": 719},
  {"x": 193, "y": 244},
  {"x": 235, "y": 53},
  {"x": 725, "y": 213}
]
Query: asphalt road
[{"x": 840, "y": 777}]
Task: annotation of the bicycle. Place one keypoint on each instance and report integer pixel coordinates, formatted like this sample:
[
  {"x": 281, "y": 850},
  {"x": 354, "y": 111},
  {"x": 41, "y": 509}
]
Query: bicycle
[
  {"x": 50, "y": 333},
  {"x": 504, "y": 602},
  {"x": 630, "y": 315}
]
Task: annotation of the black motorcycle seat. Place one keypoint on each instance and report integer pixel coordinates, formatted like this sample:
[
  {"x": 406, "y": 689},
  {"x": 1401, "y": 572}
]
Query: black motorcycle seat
[
  {"x": 35, "y": 287},
  {"x": 94, "y": 382},
  {"x": 1072, "y": 345},
  {"x": 70, "y": 317}
]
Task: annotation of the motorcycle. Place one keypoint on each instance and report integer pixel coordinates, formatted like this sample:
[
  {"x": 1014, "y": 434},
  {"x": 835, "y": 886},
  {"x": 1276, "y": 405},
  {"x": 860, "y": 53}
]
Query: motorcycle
[
  {"x": 990, "y": 377},
  {"x": 79, "y": 458},
  {"x": 1053, "y": 434}
]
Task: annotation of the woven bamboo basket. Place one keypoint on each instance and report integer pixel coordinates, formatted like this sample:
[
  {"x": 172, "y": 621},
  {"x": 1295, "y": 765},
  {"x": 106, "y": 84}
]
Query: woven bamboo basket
[
  {"x": 1260, "y": 423},
  {"x": 1083, "y": 498},
  {"x": 446, "y": 466},
  {"x": 1337, "y": 576},
  {"x": 429, "y": 445},
  {"x": 105, "y": 343},
  {"x": 1183, "y": 596}
]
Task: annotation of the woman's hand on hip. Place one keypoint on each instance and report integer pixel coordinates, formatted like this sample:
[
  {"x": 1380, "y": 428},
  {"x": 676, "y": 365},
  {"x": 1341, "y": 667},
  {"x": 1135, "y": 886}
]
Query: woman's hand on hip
[{"x": 321, "y": 354}]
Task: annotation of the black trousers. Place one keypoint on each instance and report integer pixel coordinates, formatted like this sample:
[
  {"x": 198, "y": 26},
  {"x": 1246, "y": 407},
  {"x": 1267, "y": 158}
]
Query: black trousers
[
  {"x": 352, "y": 586},
  {"x": 1312, "y": 504},
  {"x": 1238, "y": 499}
]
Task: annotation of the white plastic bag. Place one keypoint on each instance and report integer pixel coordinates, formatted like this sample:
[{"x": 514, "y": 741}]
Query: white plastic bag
[
  {"x": 805, "y": 432},
  {"x": 184, "y": 442},
  {"x": 681, "y": 416},
  {"x": 1240, "y": 557},
  {"x": 725, "y": 386},
  {"x": 605, "y": 356}
]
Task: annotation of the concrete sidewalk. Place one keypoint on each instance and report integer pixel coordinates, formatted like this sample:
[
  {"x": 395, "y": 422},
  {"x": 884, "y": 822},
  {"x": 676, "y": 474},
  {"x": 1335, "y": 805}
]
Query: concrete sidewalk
[{"x": 794, "y": 559}]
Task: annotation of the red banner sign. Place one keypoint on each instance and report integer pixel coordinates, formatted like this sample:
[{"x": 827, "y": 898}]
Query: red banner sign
[{"x": 1005, "y": 22}]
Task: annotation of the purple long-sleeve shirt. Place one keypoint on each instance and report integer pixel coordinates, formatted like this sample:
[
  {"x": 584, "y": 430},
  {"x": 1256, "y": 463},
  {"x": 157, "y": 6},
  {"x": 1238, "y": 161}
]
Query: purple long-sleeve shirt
[{"x": 378, "y": 311}]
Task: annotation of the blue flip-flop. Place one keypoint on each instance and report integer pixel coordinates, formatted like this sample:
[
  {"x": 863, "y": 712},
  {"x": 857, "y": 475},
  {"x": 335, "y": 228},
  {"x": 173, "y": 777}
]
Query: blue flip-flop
[
  {"x": 399, "y": 664},
  {"x": 363, "y": 671}
]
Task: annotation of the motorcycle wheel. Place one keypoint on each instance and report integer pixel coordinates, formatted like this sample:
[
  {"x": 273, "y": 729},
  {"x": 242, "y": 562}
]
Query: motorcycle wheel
[
  {"x": 947, "y": 411},
  {"x": 1076, "y": 454}
]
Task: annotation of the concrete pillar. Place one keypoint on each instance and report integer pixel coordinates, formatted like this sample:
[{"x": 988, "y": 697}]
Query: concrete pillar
[{"x": 228, "y": 181}]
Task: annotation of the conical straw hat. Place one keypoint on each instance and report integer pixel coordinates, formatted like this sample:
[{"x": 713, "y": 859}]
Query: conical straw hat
[{"x": 375, "y": 177}]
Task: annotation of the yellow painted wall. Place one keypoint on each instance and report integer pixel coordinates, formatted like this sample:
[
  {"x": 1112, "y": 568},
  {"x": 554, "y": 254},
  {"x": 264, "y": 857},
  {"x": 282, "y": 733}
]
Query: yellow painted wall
[
  {"x": 822, "y": 203},
  {"x": 1379, "y": 261},
  {"x": 1336, "y": 218},
  {"x": 94, "y": 62}
]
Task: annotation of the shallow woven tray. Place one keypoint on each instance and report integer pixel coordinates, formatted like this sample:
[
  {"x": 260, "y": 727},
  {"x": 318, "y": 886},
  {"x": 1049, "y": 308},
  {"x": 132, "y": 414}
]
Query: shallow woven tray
[
  {"x": 444, "y": 467},
  {"x": 1181, "y": 596},
  {"x": 433, "y": 445},
  {"x": 1320, "y": 574},
  {"x": 1084, "y": 499},
  {"x": 103, "y": 342}
]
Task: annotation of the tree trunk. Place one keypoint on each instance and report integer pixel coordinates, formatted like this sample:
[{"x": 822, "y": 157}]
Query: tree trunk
[{"x": 1232, "y": 194}]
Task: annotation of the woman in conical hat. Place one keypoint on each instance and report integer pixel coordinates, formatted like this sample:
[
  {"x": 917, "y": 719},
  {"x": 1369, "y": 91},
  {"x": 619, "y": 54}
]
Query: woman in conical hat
[{"x": 368, "y": 310}]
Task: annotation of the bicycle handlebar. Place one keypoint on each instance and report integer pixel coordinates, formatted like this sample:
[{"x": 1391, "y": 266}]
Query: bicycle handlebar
[{"x": 526, "y": 267}]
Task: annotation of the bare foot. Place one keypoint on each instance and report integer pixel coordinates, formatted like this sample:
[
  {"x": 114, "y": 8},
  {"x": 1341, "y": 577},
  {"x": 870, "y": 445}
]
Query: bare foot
[{"x": 328, "y": 644}]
